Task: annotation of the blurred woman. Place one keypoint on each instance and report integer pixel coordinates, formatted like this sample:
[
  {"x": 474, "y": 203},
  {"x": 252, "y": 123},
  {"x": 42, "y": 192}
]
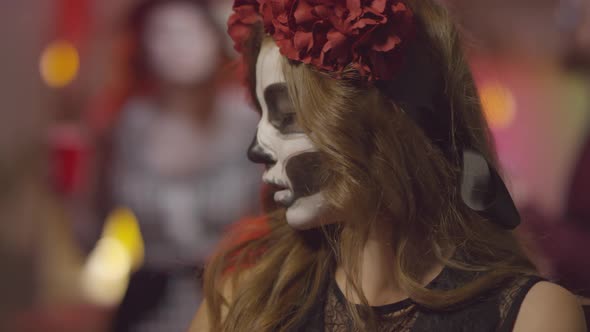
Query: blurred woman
[{"x": 176, "y": 159}]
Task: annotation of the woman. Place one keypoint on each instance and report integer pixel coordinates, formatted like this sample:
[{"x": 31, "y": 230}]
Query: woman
[
  {"x": 173, "y": 161},
  {"x": 390, "y": 215}
]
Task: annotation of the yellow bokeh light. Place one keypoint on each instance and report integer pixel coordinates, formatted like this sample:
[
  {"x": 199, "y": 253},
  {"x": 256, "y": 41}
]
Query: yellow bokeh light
[
  {"x": 117, "y": 254},
  {"x": 122, "y": 226},
  {"x": 59, "y": 64},
  {"x": 498, "y": 104}
]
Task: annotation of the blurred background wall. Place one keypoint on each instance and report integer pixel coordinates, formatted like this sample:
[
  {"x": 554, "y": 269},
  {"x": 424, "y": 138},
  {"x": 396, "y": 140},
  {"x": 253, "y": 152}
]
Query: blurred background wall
[{"x": 22, "y": 116}]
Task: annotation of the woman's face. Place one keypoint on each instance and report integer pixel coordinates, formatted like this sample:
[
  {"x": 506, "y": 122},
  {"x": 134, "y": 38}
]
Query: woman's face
[
  {"x": 291, "y": 159},
  {"x": 181, "y": 45}
]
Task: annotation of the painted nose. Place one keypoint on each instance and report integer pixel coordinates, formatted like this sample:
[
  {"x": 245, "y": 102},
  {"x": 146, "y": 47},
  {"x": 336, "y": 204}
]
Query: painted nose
[{"x": 258, "y": 155}]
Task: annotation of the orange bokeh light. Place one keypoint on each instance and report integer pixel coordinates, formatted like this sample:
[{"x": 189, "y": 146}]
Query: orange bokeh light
[
  {"x": 59, "y": 64},
  {"x": 498, "y": 104}
]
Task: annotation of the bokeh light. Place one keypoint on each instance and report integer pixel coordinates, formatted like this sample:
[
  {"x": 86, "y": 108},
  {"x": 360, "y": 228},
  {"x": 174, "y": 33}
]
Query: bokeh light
[
  {"x": 59, "y": 64},
  {"x": 106, "y": 274},
  {"x": 117, "y": 254},
  {"x": 498, "y": 104},
  {"x": 122, "y": 225}
]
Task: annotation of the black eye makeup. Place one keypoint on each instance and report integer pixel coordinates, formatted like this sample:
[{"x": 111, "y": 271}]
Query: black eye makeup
[{"x": 281, "y": 112}]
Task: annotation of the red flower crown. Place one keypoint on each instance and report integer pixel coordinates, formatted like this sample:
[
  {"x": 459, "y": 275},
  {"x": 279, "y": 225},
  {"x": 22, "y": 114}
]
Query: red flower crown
[{"x": 330, "y": 34}]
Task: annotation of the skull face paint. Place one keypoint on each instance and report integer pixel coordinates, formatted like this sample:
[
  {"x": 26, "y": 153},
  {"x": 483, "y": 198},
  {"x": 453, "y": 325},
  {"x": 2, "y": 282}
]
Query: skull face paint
[{"x": 292, "y": 161}]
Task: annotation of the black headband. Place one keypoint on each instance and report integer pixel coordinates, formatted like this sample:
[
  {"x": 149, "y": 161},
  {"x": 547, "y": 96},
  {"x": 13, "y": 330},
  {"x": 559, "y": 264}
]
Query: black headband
[{"x": 419, "y": 89}]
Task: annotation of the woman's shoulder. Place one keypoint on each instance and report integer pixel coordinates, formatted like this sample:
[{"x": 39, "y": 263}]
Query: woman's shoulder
[
  {"x": 520, "y": 303},
  {"x": 548, "y": 307}
]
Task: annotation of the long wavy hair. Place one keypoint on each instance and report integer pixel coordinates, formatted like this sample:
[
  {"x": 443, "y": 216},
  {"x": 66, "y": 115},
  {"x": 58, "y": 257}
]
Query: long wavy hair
[{"x": 384, "y": 172}]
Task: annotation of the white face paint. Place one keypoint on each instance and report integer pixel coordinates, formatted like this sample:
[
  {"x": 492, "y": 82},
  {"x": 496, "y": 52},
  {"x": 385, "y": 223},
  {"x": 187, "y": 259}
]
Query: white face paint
[
  {"x": 285, "y": 149},
  {"x": 181, "y": 45}
]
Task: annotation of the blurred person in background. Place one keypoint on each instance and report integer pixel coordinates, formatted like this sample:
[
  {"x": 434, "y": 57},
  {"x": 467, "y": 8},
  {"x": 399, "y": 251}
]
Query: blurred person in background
[{"x": 176, "y": 158}]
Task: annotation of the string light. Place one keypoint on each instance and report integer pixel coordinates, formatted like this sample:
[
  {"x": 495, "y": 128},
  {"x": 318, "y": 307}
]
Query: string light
[
  {"x": 59, "y": 64},
  {"x": 118, "y": 253},
  {"x": 498, "y": 104}
]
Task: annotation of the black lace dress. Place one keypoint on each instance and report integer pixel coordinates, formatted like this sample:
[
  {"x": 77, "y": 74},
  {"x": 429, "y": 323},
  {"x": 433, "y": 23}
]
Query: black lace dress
[{"x": 495, "y": 310}]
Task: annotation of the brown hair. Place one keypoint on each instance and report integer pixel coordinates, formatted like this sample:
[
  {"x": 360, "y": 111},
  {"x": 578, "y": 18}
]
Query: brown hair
[{"x": 383, "y": 172}]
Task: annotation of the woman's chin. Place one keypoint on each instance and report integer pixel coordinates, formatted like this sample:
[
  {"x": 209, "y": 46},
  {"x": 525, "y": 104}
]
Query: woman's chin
[{"x": 307, "y": 212}]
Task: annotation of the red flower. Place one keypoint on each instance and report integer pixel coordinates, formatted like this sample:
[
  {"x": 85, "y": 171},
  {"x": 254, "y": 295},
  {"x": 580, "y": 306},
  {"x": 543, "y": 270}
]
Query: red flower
[
  {"x": 333, "y": 34},
  {"x": 246, "y": 14}
]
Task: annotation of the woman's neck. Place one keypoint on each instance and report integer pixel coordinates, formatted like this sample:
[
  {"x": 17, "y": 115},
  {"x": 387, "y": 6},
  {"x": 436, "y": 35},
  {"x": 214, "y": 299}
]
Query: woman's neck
[{"x": 378, "y": 278}]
